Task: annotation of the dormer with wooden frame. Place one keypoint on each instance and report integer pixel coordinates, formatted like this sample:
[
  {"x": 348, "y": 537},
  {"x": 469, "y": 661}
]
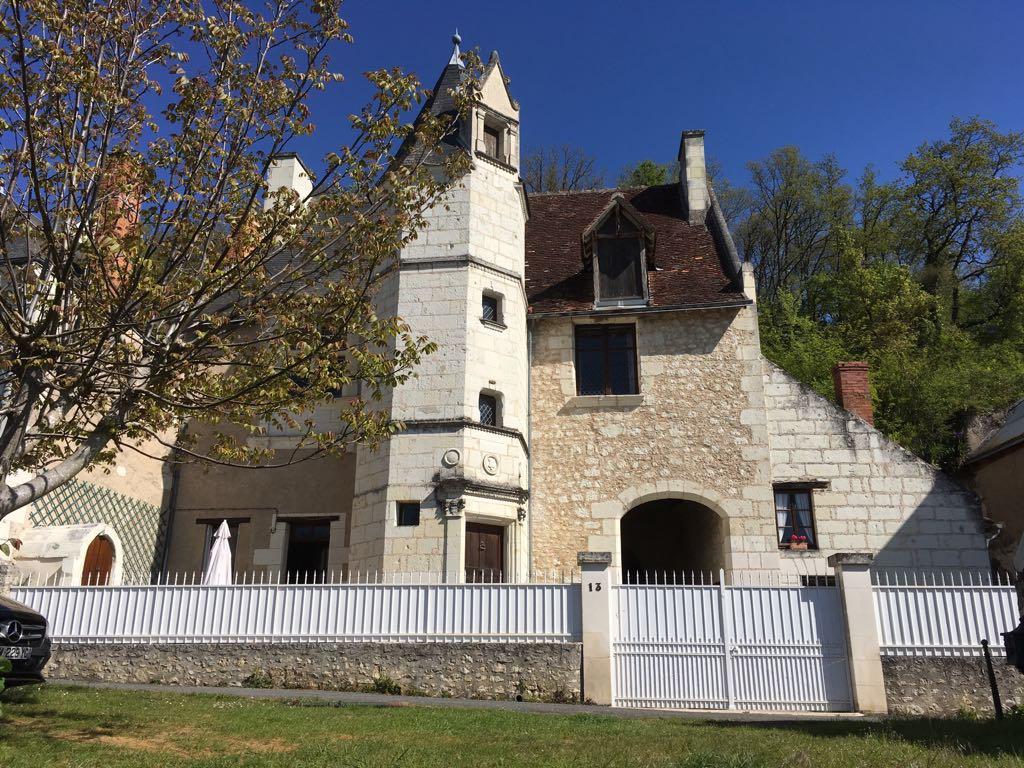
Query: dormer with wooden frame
[{"x": 618, "y": 247}]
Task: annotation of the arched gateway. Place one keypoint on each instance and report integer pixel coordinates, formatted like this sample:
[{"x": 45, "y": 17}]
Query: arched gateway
[{"x": 671, "y": 541}]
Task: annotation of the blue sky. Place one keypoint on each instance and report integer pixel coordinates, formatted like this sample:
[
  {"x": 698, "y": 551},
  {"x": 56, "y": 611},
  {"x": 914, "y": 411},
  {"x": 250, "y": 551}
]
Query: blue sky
[{"x": 868, "y": 81}]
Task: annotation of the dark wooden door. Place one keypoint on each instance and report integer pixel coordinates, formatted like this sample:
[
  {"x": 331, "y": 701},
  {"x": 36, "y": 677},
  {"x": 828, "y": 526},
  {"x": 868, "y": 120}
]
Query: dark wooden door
[
  {"x": 485, "y": 553},
  {"x": 99, "y": 561}
]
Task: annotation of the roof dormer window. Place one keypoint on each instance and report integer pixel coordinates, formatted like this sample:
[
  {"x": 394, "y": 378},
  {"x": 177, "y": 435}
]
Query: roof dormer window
[
  {"x": 620, "y": 266},
  {"x": 619, "y": 245}
]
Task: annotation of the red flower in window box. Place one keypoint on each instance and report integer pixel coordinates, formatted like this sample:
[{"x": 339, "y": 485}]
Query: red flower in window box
[{"x": 798, "y": 541}]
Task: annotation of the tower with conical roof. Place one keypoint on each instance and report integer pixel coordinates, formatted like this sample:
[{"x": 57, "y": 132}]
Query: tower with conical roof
[{"x": 448, "y": 494}]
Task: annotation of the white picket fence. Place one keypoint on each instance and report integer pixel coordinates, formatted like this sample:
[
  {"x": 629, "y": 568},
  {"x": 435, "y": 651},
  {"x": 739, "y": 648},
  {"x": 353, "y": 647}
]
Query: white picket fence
[
  {"x": 942, "y": 613},
  {"x": 275, "y": 613},
  {"x": 720, "y": 646}
]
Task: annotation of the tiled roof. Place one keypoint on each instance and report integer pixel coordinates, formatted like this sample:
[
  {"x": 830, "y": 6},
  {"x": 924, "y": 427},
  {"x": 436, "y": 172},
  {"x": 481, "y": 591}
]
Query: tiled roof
[{"x": 691, "y": 268}]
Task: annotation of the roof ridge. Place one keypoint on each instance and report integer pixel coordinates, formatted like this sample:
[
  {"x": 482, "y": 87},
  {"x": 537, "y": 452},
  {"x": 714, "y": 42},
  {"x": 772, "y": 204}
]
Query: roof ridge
[{"x": 600, "y": 190}]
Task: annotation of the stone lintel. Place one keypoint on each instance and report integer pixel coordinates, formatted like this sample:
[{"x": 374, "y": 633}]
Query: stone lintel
[{"x": 593, "y": 558}]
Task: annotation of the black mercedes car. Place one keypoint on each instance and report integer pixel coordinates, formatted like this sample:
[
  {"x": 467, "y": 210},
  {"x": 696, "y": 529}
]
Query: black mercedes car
[{"x": 24, "y": 642}]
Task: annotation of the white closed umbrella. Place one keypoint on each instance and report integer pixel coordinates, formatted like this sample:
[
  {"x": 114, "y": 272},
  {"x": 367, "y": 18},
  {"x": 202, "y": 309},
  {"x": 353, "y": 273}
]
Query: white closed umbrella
[{"x": 218, "y": 567}]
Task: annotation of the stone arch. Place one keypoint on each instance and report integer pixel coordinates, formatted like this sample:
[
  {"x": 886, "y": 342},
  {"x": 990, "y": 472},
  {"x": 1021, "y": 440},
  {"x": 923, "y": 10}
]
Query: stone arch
[{"x": 613, "y": 512}]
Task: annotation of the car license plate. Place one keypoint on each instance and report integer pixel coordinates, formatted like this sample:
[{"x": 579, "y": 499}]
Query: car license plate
[{"x": 15, "y": 652}]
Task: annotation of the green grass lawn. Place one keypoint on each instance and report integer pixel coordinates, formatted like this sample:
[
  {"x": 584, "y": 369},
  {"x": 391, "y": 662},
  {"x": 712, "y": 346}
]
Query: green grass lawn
[{"x": 54, "y": 726}]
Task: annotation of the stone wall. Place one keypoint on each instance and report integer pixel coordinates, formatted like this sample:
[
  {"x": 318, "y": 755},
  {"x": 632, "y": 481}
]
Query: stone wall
[
  {"x": 8, "y": 572},
  {"x": 546, "y": 671},
  {"x": 879, "y": 497},
  {"x": 696, "y": 432},
  {"x": 947, "y": 686}
]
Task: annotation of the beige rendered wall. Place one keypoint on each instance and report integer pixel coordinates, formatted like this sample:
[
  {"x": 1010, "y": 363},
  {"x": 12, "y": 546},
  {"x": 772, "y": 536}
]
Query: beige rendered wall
[
  {"x": 999, "y": 482},
  {"x": 697, "y": 431},
  {"x": 315, "y": 488},
  {"x": 140, "y": 474}
]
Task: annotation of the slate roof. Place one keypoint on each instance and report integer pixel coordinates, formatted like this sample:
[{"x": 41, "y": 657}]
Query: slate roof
[
  {"x": 1009, "y": 435},
  {"x": 694, "y": 265}
]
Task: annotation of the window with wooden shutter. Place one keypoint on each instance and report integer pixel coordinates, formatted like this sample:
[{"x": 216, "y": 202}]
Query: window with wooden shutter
[{"x": 492, "y": 141}]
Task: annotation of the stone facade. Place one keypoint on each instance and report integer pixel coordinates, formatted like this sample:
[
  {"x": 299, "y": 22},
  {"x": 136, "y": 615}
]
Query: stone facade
[
  {"x": 546, "y": 671},
  {"x": 879, "y": 497},
  {"x": 712, "y": 431},
  {"x": 696, "y": 432},
  {"x": 948, "y": 686},
  {"x": 456, "y": 469}
]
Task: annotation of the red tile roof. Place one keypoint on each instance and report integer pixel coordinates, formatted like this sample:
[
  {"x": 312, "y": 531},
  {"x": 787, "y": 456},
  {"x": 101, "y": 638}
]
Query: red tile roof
[{"x": 689, "y": 268}]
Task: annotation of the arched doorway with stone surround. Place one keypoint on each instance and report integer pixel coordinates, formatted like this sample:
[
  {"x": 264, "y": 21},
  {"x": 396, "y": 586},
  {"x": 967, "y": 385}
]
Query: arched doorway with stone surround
[
  {"x": 671, "y": 541},
  {"x": 677, "y": 527}
]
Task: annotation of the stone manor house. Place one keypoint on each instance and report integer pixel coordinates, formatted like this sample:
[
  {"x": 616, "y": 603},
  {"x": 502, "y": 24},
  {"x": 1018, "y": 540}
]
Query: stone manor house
[{"x": 599, "y": 385}]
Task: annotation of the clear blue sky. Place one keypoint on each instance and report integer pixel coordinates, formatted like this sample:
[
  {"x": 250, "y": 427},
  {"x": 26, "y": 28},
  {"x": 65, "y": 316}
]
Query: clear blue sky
[{"x": 868, "y": 81}]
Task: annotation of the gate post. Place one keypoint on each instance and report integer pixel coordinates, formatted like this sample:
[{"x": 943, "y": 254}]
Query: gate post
[
  {"x": 853, "y": 577},
  {"x": 8, "y": 575},
  {"x": 598, "y": 625}
]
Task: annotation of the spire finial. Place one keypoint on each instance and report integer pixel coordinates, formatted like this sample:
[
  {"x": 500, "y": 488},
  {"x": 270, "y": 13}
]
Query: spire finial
[{"x": 456, "y": 58}]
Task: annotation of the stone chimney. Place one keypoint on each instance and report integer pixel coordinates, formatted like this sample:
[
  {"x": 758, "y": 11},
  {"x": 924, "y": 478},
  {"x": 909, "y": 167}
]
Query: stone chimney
[
  {"x": 693, "y": 176},
  {"x": 853, "y": 389},
  {"x": 287, "y": 171}
]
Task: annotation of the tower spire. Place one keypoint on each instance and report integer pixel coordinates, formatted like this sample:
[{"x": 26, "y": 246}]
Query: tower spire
[{"x": 456, "y": 58}]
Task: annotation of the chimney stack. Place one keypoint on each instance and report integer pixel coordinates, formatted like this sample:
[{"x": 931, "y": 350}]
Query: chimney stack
[
  {"x": 693, "y": 176},
  {"x": 120, "y": 198},
  {"x": 853, "y": 389},
  {"x": 287, "y": 171}
]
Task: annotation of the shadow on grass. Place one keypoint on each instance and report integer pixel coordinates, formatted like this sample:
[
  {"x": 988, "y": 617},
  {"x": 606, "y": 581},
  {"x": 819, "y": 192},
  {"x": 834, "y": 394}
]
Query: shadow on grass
[{"x": 971, "y": 737}]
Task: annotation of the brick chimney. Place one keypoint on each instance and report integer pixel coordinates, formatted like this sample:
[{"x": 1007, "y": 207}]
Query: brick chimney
[
  {"x": 120, "y": 198},
  {"x": 693, "y": 176},
  {"x": 853, "y": 389}
]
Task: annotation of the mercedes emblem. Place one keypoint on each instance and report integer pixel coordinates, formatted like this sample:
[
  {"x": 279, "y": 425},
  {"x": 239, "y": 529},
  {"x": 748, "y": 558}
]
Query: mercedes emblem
[{"x": 14, "y": 632}]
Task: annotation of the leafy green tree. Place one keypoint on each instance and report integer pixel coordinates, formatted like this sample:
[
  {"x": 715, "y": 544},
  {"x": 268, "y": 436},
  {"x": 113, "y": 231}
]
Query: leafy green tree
[
  {"x": 929, "y": 377},
  {"x": 646, "y": 173},
  {"x": 959, "y": 196},
  {"x": 797, "y": 207},
  {"x": 149, "y": 277}
]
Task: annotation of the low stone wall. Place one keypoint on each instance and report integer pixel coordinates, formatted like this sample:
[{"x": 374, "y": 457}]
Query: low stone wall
[
  {"x": 544, "y": 671},
  {"x": 945, "y": 686}
]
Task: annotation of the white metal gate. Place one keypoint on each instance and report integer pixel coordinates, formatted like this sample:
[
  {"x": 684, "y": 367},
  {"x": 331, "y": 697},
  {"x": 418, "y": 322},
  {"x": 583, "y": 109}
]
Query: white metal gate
[{"x": 731, "y": 647}]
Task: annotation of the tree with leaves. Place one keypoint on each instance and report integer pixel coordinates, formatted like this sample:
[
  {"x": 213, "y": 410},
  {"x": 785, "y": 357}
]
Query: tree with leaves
[
  {"x": 797, "y": 206},
  {"x": 960, "y": 195},
  {"x": 560, "y": 169},
  {"x": 646, "y": 173},
  {"x": 150, "y": 277},
  {"x": 921, "y": 276}
]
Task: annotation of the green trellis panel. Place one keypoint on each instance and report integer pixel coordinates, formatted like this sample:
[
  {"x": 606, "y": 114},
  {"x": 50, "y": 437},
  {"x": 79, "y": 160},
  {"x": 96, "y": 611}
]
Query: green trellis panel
[{"x": 141, "y": 526}]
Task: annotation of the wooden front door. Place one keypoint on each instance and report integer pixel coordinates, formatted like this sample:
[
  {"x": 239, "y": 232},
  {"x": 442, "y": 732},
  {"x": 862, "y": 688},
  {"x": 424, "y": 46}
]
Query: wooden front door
[
  {"x": 485, "y": 553},
  {"x": 99, "y": 561}
]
